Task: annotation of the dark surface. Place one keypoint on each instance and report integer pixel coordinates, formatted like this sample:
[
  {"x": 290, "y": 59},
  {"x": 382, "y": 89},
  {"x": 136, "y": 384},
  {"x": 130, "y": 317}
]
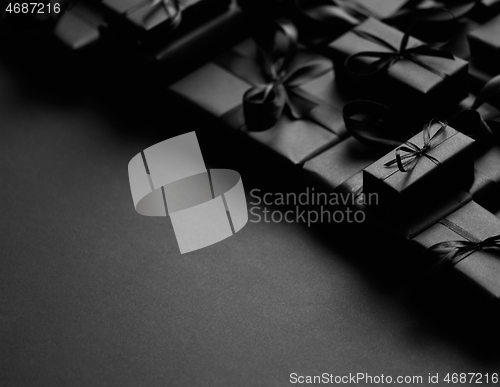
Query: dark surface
[{"x": 93, "y": 294}]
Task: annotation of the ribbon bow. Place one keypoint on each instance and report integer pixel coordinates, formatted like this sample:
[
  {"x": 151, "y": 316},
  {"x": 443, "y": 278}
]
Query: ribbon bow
[
  {"x": 264, "y": 104},
  {"x": 490, "y": 90},
  {"x": 457, "y": 251},
  {"x": 348, "y": 13},
  {"x": 432, "y": 11},
  {"x": 171, "y": 7},
  {"x": 388, "y": 59},
  {"x": 414, "y": 152}
]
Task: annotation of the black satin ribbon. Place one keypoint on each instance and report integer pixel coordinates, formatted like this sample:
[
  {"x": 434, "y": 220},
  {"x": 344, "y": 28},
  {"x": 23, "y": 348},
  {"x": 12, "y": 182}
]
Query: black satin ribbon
[
  {"x": 414, "y": 152},
  {"x": 388, "y": 59},
  {"x": 349, "y": 13},
  {"x": 344, "y": 13},
  {"x": 264, "y": 104},
  {"x": 375, "y": 125},
  {"x": 437, "y": 13},
  {"x": 172, "y": 9},
  {"x": 453, "y": 252},
  {"x": 470, "y": 121},
  {"x": 490, "y": 91}
]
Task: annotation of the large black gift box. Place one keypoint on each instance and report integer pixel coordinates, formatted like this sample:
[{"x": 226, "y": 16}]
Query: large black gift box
[
  {"x": 219, "y": 86},
  {"x": 420, "y": 87}
]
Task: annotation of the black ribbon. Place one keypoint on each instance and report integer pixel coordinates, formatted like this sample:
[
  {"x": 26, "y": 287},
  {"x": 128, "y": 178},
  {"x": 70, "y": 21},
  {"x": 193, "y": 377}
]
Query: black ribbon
[
  {"x": 438, "y": 12},
  {"x": 375, "y": 125},
  {"x": 388, "y": 59},
  {"x": 471, "y": 123},
  {"x": 264, "y": 104},
  {"x": 457, "y": 251},
  {"x": 414, "y": 152},
  {"x": 453, "y": 252},
  {"x": 334, "y": 15},
  {"x": 490, "y": 90},
  {"x": 341, "y": 12},
  {"x": 172, "y": 9}
]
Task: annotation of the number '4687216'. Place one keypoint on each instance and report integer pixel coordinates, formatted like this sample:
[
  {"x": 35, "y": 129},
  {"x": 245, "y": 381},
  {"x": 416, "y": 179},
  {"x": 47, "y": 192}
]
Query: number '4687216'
[{"x": 33, "y": 8}]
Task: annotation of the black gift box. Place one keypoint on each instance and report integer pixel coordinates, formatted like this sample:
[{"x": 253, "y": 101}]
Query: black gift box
[
  {"x": 410, "y": 222},
  {"x": 152, "y": 21},
  {"x": 446, "y": 167},
  {"x": 80, "y": 26},
  {"x": 339, "y": 163},
  {"x": 419, "y": 89},
  {"x": 470, "y": 223},
  {"x": 219, "y": 86}
]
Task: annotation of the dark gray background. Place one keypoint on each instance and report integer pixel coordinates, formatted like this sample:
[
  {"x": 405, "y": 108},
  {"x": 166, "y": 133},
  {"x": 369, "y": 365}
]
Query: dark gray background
[{"x": 93, "y": 294}]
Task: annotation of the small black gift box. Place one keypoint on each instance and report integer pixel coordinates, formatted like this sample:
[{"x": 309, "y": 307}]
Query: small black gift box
[
  {"x": 431, "y": 165},
  {"x": 467, "y": 240}
]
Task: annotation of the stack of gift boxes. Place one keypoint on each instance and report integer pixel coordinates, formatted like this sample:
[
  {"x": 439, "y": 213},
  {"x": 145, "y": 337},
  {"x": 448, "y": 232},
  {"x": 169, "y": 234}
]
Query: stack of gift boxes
[
  {"x": 350, "y": 92},
  {"x": 158, "y": 40},
  {"x": 148, "y": 22}
]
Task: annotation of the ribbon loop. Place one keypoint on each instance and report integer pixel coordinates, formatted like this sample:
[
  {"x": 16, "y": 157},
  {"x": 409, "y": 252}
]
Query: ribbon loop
[
  {"x": 374, "y": 124},
  {"x": 414, "y": 152},
  {"x": 263, "y": 105},
  {"x": 171, "y": 7},
  {"x": 388, "y": 59},
  {"x": 471, "y": 122},
  {"x": 332, "y": 12},
  {"x": 434, "y": 21},
  {"x": 489, "y": 90},
  {"x": 454, "y": 252}
]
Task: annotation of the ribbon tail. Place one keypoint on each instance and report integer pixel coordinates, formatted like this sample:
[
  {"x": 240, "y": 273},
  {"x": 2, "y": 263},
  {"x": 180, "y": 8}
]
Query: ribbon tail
[
  {"x": 299, "y": 107},
  {"x": 305, "y": 73},
  {"x": 374, "y": 124},
  {"x": 432, "y": 158},
  {"x": 170, "y": 7}
]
